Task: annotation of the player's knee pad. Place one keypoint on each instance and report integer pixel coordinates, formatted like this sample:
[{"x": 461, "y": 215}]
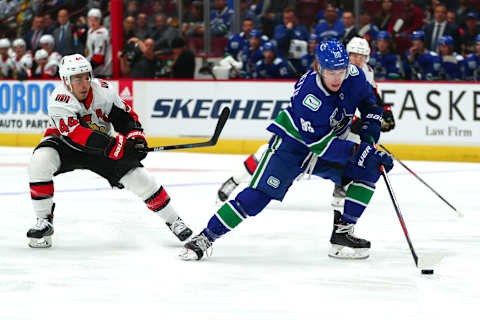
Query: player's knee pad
[
  {"x": 43, "y": 164},
  {"x": 252, "y": 201},
  {"x": 140, "y": 182}
]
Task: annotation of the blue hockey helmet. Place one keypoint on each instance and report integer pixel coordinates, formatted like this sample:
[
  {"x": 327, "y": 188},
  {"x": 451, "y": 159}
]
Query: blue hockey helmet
[
  {"x": 268, "y": 46},
  {"x": 331, "y": 55},
  {"x": 314, "y": 37},
  {"x": 418, "y": 35},
  {"x": 446, "y": 40},
  {"x": 383, "y": 35},
  {"x": 255, "y": 33}
]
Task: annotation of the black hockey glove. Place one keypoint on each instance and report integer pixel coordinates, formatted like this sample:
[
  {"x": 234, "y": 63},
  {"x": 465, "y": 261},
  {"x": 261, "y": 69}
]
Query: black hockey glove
[
  {"x": 388, "y": 122},
  {"x": 140, "y": 142},
  {"x": 121, "y": 148}
]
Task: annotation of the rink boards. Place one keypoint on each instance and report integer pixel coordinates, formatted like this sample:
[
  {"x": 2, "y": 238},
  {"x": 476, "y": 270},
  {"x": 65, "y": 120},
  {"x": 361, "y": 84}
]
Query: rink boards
[{"x": 434, "y": 120}]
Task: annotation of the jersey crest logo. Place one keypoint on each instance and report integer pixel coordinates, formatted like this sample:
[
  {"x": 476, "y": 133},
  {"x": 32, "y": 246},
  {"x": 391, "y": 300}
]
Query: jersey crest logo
[
  {"x": 273, "y": 182},
  {"x": 312, "y": 102},
  {"x": 62, "y": 98},
  {"x": 353, "y": 70}
]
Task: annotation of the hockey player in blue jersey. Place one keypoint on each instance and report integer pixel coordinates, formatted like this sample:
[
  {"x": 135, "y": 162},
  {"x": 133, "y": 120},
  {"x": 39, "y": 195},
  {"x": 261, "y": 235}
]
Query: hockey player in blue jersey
[
  {"x": 385, "y": 64},
  {"x": 472, "y": 63},
  {"x": 307, "y": 60},
  {"x": 420, "y": 63},
  {"x": 239, "y": 41},
  {"x": 251, "y": 54},
  {"x": 309, "y": 137},
  {"x": 271, "y": 66},
  {"x": 451, "y": 67}
]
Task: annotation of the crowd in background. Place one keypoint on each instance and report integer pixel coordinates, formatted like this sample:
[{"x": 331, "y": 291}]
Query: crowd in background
[{"x": 413, "y": 40}]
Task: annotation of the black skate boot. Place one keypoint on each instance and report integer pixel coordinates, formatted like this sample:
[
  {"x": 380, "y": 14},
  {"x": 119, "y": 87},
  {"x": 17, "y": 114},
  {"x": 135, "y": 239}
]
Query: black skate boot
[
  {"x": 40, "y": 235},
  {"x": 196, "y": 248},
  {"x": 338, "y": 200},
  {"x": 344, "y": 244},
  {"x": 226, "y": 189},
  {"x": 180, "y": 229}
]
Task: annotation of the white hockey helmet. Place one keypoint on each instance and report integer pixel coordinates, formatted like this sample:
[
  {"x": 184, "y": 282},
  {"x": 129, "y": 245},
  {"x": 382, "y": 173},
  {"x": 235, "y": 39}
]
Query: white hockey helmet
[
  {"x": 360, "y": 46},
  {"x": 4, "y": 43},
  {"x": 47, "y": 39},
  {"x": 41, "y": 54},
  {"x": 94, "y": 12},
  {"x": 72, "y": 65},
  {"x": 19, "y": 43}
]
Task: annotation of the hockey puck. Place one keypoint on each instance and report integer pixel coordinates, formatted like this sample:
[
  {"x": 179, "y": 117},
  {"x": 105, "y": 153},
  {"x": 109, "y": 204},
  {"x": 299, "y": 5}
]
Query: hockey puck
[{"x": 427, "y": 271}]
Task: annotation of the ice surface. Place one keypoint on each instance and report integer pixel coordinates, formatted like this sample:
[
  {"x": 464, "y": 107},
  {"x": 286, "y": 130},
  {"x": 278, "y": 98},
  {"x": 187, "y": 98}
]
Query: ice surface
[{"x": 113, "y": 259}]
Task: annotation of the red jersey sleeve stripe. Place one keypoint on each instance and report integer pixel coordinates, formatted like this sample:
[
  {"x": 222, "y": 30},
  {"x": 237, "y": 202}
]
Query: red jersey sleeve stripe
[{"x": 80, "y": 135}]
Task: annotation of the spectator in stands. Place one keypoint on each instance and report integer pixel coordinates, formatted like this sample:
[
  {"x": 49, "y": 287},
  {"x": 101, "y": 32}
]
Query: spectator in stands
[
  {"x": 271, "y": 14},
  {"x": 128, "y": 28},
  {"x": 23, "y": 60},
  {"x": 221, "y": 19},
  {"x": 271, "y": 66},
  {"x": 286, "y": 33},
  {"x": 472, "y": 63},
  {"x": 33, "y": 36},
  {"x": 246, "y": 12},
  {"x": 80, "y": 32},
  {"x": 163, "y": 34},
  {"x": 384, "y": 16},
  {"x": 99, "y": 50},
  {"x": 156, "y": 8},
  {"x": 307, "y": 60},
  {"x": 409, "y": 19},
  {"x": 428, "y": 10},
  {"x": 451, "y": 63},
  {"x": 63, "y": 35},
  {"x": 140, "y": 62},
  {"x": 421, "y": 64},
  {"x": 332, "y": 28},
  {"x": 451, "y": 16},
  {"x": 131, "y": 9},
  {"x": 142, "y": 31},
  {"x": 468, "y": 38},
  {"x": 183, "y": 66},
  {"x": 251, "y": 54},
  {"x": 237, "y": 42},
  {"x": 440, "y": 27},
  {"x": 386, "y": 64},
  {"x": 48, "y": 23},
  {"x": 462, "y": 11},
  {"x": 367, "y": 29},
  {"x": 351, "y": 31},
  {"x": 6, "y": 63},
  {"x": 193, "y": 20}
]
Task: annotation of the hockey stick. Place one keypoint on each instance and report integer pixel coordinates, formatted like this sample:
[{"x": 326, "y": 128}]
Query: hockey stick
[
  {"x": 459, "y": 214},
  {"x": 213, "y": 140},
  {"x": 420, "y": 262}
]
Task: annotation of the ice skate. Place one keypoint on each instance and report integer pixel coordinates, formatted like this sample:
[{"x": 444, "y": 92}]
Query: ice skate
[
  {"x": 226, "y": 190},
  {"x": 344, "y": 244},
  {"x": 338, "y": 200},
  {"x": 180, "y": 229},
  {"x": 40, "y": 235},
  {"x": 196, "y": 248}
]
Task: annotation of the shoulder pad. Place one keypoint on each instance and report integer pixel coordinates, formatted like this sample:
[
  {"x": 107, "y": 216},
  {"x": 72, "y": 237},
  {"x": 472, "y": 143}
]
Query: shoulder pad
[{"x": 277, "y": 61}]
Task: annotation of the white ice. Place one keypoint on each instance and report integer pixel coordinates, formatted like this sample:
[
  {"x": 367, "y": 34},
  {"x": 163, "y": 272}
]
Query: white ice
[{"x": 113, "y": 259}]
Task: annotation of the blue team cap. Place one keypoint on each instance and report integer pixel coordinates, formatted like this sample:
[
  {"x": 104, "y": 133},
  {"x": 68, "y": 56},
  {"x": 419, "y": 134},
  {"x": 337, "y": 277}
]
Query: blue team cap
[
  {"x": 268, "y": 46},
  {"x": 313, "y": 37},
  {"x": 446, "y": 41},
  {"x": 383, "y": 35},
  {"x": 418, "y": 35},
  {"x": 331, "y": 55},
  {"x": 255, "y": 33}
]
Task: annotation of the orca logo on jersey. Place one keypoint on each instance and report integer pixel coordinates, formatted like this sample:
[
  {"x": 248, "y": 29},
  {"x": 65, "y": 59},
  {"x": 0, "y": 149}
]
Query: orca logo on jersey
[{"x": 312, "y": 102}]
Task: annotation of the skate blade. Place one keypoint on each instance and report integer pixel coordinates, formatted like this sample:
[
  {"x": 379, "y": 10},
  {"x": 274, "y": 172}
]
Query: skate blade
[
  {"x": 342, "y": 252},
  {"x": 45, "y": 242},
  {"x": 188, "y": 255}
]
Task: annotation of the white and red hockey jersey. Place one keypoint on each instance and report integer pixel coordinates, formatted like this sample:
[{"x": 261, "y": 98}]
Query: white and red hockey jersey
[
  {"x": 23, "y": 63},
  {"x": 6, "y": 67},
  {"x": 99, "y": 51},
  {"x": 78, "y": 120}
]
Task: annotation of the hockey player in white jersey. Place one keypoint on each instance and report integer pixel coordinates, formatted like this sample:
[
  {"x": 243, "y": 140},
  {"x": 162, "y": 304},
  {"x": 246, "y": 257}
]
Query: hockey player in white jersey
[
  {"x": 23, "y": 60},
  {"x": 83, "y": 112},
  {"x": 47, "y": 43},
  {"x": 99, "y": 51},
  {"x": 43, "y": 68},
  {"x": 6, "y": 63}
]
